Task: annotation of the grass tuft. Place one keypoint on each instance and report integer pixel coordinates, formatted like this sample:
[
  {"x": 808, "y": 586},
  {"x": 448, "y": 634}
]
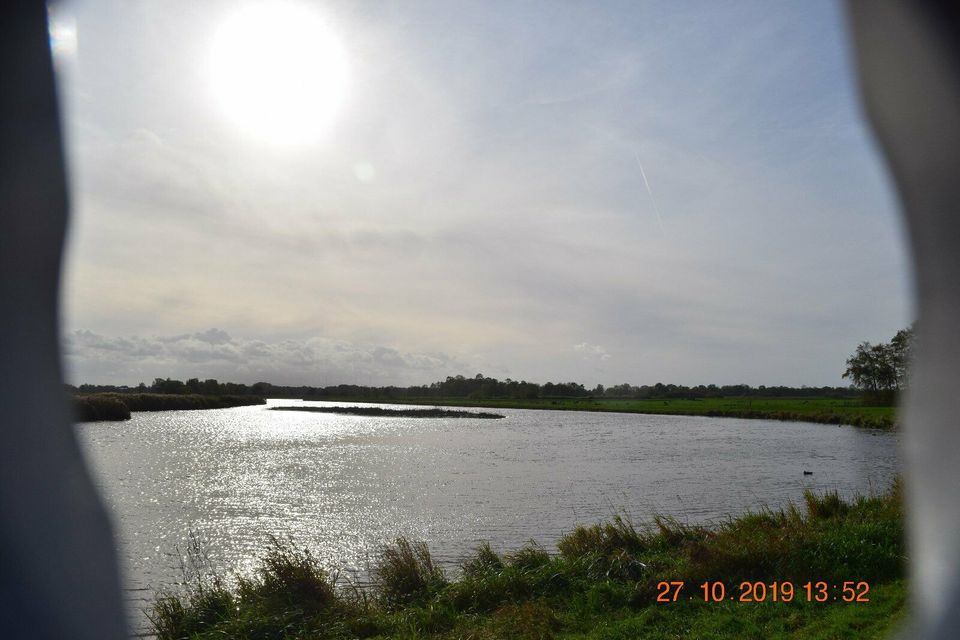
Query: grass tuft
[
  {"x": 826, "y": 506},
  {"x": 531, "y": 620},
  {"x": 405, "y": 572},
  {"x": 528, "y": 558},
  {"x": 483, "y": 561},
  {"x": 289, "y": 579},
  {"x": 205, "y": 604}
]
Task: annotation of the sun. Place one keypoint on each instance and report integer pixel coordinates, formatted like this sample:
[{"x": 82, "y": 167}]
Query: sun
[{"x": 278, "y": 72}]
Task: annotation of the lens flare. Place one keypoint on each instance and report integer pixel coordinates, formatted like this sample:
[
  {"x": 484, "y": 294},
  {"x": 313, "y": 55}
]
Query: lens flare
[{"x": 278, "y": 72}]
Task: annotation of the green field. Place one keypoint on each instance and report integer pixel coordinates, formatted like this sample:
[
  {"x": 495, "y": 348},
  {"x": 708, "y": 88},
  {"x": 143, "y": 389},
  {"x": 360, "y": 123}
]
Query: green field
[
  {"x": 849, "y": 411},
  {"x": 603, "y": 584}
]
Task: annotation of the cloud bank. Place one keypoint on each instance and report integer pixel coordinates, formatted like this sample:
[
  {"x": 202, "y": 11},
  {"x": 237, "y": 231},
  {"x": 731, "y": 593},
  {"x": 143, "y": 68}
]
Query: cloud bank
[{"x": 92, "y": 357}]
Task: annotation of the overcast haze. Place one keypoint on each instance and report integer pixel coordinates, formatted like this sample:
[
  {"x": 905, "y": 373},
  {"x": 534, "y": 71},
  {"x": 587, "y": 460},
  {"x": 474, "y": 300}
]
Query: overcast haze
[{"x": 478, "y": 203}]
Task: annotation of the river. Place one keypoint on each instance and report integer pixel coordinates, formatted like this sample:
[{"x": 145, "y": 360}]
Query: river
[{"x": 342, "y": 485}]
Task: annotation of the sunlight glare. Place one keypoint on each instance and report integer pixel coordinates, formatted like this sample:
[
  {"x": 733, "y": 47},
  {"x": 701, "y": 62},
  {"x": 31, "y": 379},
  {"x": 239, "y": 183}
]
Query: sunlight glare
[
  {"x": 63, "y": 34},
  {"x": 278, "y": 72}
]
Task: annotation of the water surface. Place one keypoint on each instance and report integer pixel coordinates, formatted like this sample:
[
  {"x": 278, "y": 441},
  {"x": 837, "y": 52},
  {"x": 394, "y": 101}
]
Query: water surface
[{"x": 344, "y": 484}]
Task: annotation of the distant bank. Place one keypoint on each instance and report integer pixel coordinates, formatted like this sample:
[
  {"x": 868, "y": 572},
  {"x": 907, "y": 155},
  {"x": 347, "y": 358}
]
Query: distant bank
[
  {"x": 377, "y": 412},
  {"x": 830, "y": 405},
  {"x": 839, "y": 411},
  {"x": 118, "y": 406}
]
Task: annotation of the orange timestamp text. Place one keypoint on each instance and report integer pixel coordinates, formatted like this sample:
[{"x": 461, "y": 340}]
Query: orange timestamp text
[{"x": 759, "y": 591}]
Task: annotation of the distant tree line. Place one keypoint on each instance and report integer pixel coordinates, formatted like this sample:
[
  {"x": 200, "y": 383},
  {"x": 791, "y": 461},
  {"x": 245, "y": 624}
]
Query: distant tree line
[
  {"x": 477, "y": 387},
  {"x": 168, "y": 386}
]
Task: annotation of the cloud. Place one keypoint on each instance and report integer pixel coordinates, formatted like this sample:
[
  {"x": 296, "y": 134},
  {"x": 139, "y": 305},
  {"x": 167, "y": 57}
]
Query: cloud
[
  {"x": 214, "y": 336},
  {"x": 591, "y": 351},
  {"x": 96, "y": 358},
  {"x": 481, "y": 198}
]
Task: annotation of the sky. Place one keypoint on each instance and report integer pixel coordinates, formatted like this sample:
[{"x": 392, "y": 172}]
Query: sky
[{"x": 595, "y": 192}]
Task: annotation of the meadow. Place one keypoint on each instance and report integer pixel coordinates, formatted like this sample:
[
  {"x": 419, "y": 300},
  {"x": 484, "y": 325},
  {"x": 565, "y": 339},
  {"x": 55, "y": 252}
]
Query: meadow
[{"x": 849, "y": 411}]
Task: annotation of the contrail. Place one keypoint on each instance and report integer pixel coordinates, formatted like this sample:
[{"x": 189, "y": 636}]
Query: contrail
[{"x": 656, "y": 209}]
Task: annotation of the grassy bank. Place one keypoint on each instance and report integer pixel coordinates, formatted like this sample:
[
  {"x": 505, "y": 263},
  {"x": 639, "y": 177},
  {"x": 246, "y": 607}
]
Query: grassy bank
[
  {"x": 99, "y": 407},
  {"x": 603, "y": 584},
  {"x": 117, "y": 406},
  {"x": 850, "y": 411}
]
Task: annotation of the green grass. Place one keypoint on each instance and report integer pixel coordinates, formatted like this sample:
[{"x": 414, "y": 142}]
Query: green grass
[
  {"x": 602, "y": 585},
  {"x": 797, "y": 620},
  {"x": 850, "y": 411}
]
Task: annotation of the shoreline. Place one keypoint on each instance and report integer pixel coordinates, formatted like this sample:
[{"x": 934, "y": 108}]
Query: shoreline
[
  {"x": 116, "y": 407},
  {"x": 837, "y": 565},
  {"x": 848, "y": 412},
  {"x": 378, "y": 412}
]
